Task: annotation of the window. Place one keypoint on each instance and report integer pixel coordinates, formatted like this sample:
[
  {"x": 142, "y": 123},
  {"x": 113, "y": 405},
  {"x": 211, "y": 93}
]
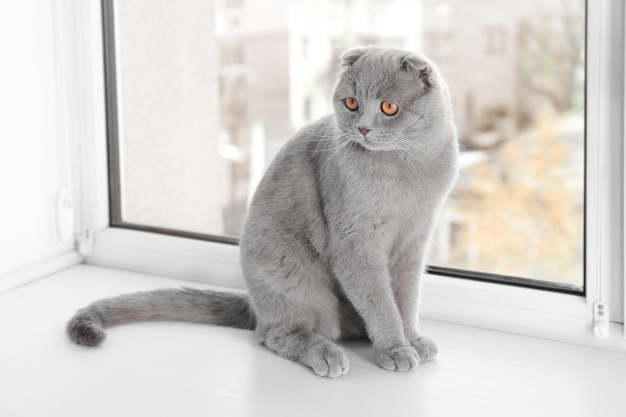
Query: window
[
  {"x": 201, "y": 105},
  {"x": 496, "y": 40}
]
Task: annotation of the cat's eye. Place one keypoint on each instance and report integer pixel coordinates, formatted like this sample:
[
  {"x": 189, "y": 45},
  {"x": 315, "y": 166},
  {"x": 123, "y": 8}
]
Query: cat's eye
[
  {"x": 389, "y": 108},
  {"x": 351, "y": 103}
]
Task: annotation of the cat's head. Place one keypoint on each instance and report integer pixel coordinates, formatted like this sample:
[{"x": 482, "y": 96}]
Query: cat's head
[{"x": 389, "y": 99}]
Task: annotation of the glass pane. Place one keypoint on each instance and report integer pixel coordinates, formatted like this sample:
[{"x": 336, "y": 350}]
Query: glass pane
[
  {"x": 171, "y": 172},
  {"x": 516, "y": 71},
  {"x": 210, "y": 91}
]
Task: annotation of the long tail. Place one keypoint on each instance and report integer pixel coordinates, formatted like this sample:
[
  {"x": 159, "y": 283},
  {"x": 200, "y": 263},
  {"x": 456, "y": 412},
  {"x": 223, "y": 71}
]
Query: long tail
[{"x": 186, "y": 304}]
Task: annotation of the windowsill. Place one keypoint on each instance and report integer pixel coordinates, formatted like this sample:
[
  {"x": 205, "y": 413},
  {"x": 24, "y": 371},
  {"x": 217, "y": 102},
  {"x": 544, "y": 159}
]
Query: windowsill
[
  {"x": 523, "y": 311},
  {"x": 161, "y": 369}
]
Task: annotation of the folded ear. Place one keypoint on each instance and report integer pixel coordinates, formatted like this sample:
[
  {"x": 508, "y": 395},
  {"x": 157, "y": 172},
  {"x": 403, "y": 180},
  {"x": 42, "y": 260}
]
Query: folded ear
[
  {"x": 412, "y": 63},
  {"x": 350, "y": 56}
]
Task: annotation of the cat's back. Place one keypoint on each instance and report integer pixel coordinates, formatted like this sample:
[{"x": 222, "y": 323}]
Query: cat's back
[
  {"x": 306, "y": 142},
  {"x": 286, "y": 205},
  {"x": 295, "y": 166}
]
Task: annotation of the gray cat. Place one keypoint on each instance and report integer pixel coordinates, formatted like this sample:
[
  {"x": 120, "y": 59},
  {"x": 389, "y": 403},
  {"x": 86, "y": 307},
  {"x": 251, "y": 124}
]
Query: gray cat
[{"x": 334, "y": 242}]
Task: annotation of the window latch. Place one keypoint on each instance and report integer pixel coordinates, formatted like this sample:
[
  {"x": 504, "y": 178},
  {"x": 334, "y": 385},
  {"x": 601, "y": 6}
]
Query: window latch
[
  {"x": 600, "y": 325},
  {"x": 84, "y": 242}
]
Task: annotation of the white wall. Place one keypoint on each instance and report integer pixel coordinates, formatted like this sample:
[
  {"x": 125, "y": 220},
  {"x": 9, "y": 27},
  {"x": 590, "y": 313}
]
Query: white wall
[{"x": 34, "y": 163}]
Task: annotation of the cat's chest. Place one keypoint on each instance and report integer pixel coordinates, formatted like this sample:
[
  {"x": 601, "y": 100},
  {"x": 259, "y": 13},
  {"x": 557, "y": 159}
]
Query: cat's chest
[
  {"x": 385, "y": 194},
  {"x": 398, "y": 189},
  {"x": 386, "y": 203}
]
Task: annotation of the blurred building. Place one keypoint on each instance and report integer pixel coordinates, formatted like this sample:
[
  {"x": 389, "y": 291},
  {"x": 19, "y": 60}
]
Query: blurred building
[{"x": 505, "y": 61}]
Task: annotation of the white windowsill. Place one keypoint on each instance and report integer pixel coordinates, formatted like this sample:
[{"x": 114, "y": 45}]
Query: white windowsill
[
  {"x": 164, "y": 369},
  {"x": 542, "y": 314}
]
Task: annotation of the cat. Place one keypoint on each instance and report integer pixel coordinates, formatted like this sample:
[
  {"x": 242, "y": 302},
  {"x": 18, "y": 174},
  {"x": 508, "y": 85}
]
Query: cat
[{"x": 334, "y": 241}]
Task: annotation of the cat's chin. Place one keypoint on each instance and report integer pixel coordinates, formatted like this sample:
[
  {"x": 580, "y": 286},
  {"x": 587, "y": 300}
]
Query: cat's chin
[{"x": 368, "y": 145}]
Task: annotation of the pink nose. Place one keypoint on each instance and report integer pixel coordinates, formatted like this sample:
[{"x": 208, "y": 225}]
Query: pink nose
[{"x": 364, "y": 130}]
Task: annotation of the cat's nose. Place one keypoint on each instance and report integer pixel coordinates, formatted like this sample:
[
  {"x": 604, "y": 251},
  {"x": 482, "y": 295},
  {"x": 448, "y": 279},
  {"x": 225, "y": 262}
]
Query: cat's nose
[{"x": 364, "y": 130}]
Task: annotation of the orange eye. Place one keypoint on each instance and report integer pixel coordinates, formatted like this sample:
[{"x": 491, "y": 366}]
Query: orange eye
[
  {"x": 351, "y": 103},
  {"x": 389, "y": 108}
]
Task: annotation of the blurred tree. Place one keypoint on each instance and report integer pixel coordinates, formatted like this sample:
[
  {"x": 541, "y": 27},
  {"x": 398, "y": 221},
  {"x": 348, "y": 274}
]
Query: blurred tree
[
  {"x": 550, "y": 55},
  {"x": 523, "y": 210}
]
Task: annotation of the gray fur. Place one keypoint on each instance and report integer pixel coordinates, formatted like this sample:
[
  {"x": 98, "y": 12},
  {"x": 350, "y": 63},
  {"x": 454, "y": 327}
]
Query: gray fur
[
  {"x": 334, "y": 242},
  {"x": 185, "y": 304}
]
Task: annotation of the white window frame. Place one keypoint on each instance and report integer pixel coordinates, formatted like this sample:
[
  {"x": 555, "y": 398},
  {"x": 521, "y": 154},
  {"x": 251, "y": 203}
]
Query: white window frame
[{"x": 537, "y": 313}]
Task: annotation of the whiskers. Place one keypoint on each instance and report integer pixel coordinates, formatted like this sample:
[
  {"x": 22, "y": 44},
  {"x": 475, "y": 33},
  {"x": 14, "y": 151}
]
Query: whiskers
[
  {"x": 408, "y": 152},
  {"x": 404, "y": 157},
  {"x": 342, "y": 141},
  {"x": 319, "y": 141},
  {"x": 412, "y": 154},
  {"x": 314, "y": 135}
]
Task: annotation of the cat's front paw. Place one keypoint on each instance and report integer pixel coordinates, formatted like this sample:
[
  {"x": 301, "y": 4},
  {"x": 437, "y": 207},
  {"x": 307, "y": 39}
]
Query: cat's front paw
[
  {"x": 425, "y": 347},
  {"x": 402, "y": 358},
  {"x": 328, "y": 360}
]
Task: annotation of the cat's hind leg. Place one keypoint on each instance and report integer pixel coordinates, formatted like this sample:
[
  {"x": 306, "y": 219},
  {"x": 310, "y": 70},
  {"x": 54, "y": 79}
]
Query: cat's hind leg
[{"x": 326, "y": 358}]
